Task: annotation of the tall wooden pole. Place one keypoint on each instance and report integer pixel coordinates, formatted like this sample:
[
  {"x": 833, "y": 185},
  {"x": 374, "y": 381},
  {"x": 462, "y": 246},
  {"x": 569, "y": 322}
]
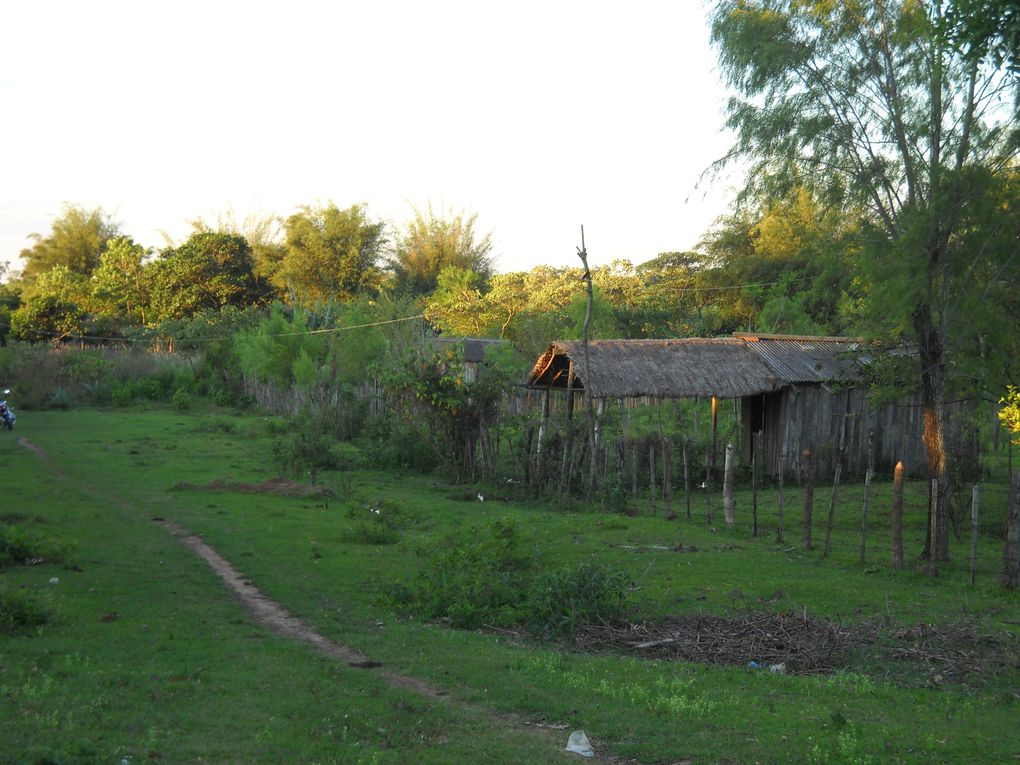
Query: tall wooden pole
[{"x": 582, "y": 253}]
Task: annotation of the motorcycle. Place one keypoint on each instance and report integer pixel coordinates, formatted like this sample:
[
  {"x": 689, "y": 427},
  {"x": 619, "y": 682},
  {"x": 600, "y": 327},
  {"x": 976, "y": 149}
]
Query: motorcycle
[{"x": 7, "y": 417}]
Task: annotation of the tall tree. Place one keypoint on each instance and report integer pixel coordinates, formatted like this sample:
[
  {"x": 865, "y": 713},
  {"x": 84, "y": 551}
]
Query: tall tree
[
  {"x": 76, "y": 241},
  {"x": 207, "y": 272},
  {"x": 430, "y": 243},
  {"x": 330, "y": 254},
  {"x": 866, "y": 104}
]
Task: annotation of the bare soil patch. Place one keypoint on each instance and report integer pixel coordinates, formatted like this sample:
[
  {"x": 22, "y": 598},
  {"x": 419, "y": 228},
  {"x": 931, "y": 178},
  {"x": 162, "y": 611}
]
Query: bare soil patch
[{"x": 279, "y": 486}]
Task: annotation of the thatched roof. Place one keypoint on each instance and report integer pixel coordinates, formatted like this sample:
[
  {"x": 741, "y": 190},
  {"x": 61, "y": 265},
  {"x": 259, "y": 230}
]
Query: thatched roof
[
  {"x": 680, "y": 368},
  {"x": 732, "y": 367}
]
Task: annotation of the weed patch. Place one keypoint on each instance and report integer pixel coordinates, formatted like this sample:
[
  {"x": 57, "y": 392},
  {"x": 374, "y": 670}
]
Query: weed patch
[
  {"x": 20, "y": 611},
  {"x": 20, "y": 546}
]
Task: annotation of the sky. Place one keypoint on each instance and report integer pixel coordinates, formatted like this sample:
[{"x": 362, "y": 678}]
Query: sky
[{"x": 538, "y": 117}]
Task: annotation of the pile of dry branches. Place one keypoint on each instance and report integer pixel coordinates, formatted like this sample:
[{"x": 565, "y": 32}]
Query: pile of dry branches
[{"x": 795, "y": 643}]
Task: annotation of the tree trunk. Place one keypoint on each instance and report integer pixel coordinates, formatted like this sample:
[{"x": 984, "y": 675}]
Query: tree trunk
[
  {"x": 729, "y": 503},
  {"x": 1011, "y": 574},
  {"x": 933, "y": 399}
]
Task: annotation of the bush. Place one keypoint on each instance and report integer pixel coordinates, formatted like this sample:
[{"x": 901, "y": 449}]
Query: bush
[
  {"x": 564, "y": 600},
  {"x": 182, "y": 399},
  {"x": 472, "y": 584},
  {"x": 375, "y": 523},
  {"x": 18, "y": 545},
  {"x": 20, "y": 611}
]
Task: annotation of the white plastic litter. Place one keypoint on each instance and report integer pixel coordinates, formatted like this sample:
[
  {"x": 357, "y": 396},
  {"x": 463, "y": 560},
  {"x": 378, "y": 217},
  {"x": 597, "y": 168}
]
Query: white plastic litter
[
  {"x": 54, "y": 580},
  {"x": 777, "y": 669},
  {"x": 579, "y": 744}
]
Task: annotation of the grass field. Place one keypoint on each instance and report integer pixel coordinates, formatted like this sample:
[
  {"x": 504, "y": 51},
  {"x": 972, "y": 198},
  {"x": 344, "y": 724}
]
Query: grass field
[{"x": 147, "y": 658}]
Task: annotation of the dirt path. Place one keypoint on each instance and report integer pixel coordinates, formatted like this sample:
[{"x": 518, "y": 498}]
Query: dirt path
[
  {"x": 271, "y": 614},
  {"x": 281, "y": 622}
]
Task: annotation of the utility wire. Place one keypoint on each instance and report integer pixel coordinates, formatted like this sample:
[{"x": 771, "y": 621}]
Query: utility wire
[{"x": 73, "y": 336}]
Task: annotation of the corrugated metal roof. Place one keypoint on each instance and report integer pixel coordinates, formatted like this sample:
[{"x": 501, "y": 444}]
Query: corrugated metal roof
[
  {"x": 678, "y": 368},
  {"x": 799, "y": 359}
]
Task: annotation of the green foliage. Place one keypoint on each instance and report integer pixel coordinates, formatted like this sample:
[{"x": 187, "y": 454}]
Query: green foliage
[
  {"x": 19, "y": 545},
  {"x": 489, "y": 582},
  {"x": 474, "y": 583},
  {"x": 375, "y": 523},
  {"x": 308, "y": 448},
  {"x": 1009, "y": 414},
  {"x": 75, "y": 242},
  {"x": 330, "y": 255},
  {"x": 571, "y": 597},
  {"x": 431, "y": 243},
  {"x": 20, "y": 610},
  {"x": 280, "y": 348},
  {"x": 207, "y": 272}
]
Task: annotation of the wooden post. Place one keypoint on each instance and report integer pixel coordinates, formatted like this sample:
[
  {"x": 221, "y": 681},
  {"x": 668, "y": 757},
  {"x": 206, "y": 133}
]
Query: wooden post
[
  {"x": 754, "y": 483},
  {"x": 710, "y": 462},
  {"x": 543, "y": 427},
  {"x": 832, "y": 509},
  {"x": 974, "y": 492},
  {"x": 667, "y": 478},
  {"x": 864, "y": 516},
  {"x": 708, "y": 487},
  {"x": 687, "y": 476},
  {"x": 1011, "y": 575},
  {"x": 634, "y": 455},
  {"x": 896, "y": 518},
  {"x": 567, "y": 466},
  {"x": 729, "y": 503},
  {"x": 780, "y": 508},
  {"x": 933, "y": 529},
  {"x": 651, "y": 476},
  {"x": 809, "y": 496}
]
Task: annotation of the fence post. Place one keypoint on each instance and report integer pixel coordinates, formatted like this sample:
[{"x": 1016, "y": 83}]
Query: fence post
[
  {"x": 809, "y": 496},
  {"x": 832, "y": 509},
  {"x": 974, "y": 494},
  {"x": 729, "y": 503},
  {"x": 933, "y": 529},
  {"x": 864, "y": 516},
  {"x": 754, "y": 483},
  {"x": 779, "y": 510},
  {"x": 667, "y": 477},
  {"x": 651, "y": 476},
  {"x": 687, "y": 476},
  {"x": 896, "y": 518}
]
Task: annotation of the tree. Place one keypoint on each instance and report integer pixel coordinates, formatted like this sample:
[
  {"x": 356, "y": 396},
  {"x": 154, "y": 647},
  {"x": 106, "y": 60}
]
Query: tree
[
  {"x": 264, "y": 234},
  {"x": 207, "y": 272},
  {"x": 76, "y": 241},
  {"x": 330, "y": 254},
  {"x": 430, "y": 243},
  {"x": 457, "y": 305},
  {"x": 119, "y": 287},
  {"x": 985, "y": 28},
  {"x": 867, "y": 106}
]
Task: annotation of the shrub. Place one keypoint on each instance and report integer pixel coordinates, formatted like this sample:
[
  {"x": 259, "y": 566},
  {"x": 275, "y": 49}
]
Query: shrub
[
  {"x": 59, "y": 399},
  {"x": 18, "y": 545},
  {"x": 20, "y": 611},
  {"x": 472, "y": 584},
  {"x": 182, "y": 399},
  {"x": 488, "y": 582},
  {"x": 562, "y": 601},
  {"x": 376, "y": 523}
]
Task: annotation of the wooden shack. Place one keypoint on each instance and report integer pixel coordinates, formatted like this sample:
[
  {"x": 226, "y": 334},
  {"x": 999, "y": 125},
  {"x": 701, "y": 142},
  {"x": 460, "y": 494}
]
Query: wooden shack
[{"x": 799, "y": 392}]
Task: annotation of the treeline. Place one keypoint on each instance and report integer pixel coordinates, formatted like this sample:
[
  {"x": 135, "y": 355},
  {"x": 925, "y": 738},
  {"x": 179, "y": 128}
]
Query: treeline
[{"x": 787, "y": 268}]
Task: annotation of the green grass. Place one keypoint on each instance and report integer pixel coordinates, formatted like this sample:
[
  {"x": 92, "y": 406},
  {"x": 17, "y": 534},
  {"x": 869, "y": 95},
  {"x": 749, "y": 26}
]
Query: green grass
[{"x": 146, "y": 655}]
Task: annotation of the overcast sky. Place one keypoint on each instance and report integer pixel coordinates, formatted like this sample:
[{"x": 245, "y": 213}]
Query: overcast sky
[{"x": 537, "y": 116}]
